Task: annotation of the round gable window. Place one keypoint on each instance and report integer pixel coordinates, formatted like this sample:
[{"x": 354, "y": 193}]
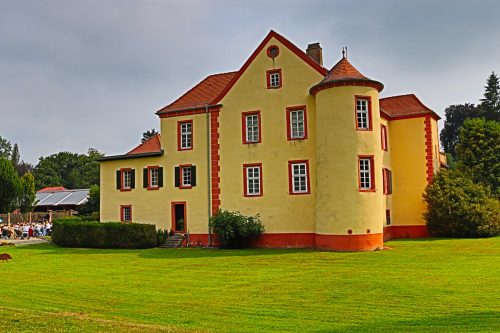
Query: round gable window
[{"x": 273, "y": 51}]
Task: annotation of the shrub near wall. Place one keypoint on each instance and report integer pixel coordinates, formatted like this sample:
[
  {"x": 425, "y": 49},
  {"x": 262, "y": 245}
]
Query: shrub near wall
[{"x": 73, "y": 232}]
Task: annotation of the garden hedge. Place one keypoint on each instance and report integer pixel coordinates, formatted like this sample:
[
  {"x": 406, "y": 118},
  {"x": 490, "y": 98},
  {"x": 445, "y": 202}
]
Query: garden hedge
[{"x": 74, "y": 232}]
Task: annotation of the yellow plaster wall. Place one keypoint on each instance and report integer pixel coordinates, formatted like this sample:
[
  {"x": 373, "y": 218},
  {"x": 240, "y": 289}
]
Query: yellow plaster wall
[
  {"x": 340, "y": 206},
  {"x": 280, "y": 212},
  {"x": 196, "y": 197},
  {"x": 435, "y": 145},
  {"x": 408, "y": 169},
  {"x": 155, "y": 206},
  {"x": 387, "y": 163},
  {"x": 147, "y": 206}
]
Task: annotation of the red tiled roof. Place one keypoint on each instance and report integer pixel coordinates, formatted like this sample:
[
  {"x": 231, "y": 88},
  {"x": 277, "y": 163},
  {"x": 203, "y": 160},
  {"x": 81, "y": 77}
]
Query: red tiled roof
[
  {"x": 343, "y": 73},
  {"x": 202, "y": 94},
  {"x": 343, "y": 70},
  {"x": 52, "y": 189},
  {"x": 404, "y": 105},
  {"x": 151, "y": 146}
]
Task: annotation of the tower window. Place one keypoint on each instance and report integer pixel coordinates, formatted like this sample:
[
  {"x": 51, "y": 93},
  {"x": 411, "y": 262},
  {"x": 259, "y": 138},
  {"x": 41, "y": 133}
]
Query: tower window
[
  {"x": 383, "y": 137},
  {"x": 366, "y": 179},
  {"x": 363, "y": 113}
]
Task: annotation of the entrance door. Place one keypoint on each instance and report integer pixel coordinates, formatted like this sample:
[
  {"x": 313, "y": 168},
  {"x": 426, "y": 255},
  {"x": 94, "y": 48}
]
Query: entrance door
[{"x": 179, "y": 218}]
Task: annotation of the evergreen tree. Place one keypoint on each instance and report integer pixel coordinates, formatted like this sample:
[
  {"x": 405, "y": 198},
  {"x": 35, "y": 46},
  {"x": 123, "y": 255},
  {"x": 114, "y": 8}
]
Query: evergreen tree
[
  {"x": 455, "y": 117},
  {"x": 9, "y": 186},
  {"x": 490, "y": 104},
  {"x": 148, "y": 135},
  {"x": 27, "y": 195},
  {"x": 15, "y": 157}
]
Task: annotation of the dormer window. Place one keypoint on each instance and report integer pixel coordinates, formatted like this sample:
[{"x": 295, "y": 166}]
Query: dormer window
[{"x": 274, "y": 79}]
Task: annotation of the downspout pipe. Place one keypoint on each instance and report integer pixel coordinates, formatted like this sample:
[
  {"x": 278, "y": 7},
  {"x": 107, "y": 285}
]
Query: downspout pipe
[{"x": 209, "y": 176}]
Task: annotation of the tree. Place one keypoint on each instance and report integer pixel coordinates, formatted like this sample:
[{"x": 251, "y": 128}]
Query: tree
[
  {"x": 148, "y": 135},
  {"x": 93, "y": 203},
  {"x": 455, "y": 117},
  {"x": 5, "y": 148},
  {"x": 24, "y": 167},
  {"x": 27, "y": 195},
  {"x": 67, "y": 169},
  {"x": 478, "y": 152},
  {"x": 15, "y": 157},
  {"x": 457, "y": 207},
  {"x": 490, "y": 104},
  {"x": 9, "y": 189}
]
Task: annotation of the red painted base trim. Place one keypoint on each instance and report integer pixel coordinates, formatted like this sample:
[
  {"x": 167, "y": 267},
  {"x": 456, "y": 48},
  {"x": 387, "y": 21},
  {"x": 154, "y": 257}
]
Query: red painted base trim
[
  {"x": 286, "y": 240},
  {"x": 368, "y": 242},
  {"x": 405, "y": 231}
]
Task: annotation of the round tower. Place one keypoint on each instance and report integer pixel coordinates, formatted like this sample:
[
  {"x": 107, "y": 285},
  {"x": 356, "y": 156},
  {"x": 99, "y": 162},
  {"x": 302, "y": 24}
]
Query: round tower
[{"x": 349, "y": 201}]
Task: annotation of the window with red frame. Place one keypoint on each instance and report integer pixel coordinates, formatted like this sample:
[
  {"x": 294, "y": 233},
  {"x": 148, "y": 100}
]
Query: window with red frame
[
  {"x": 387, "y": 179},
  {"x": 366, "y": 174},
  {"x": 252, "y": 174},
  {"x": 125, "y": 179},
  {"x": 126, "y": 214},
  {"x": 251, "y": 127},
  {"x": 296, "y": 122},
  {"x": 185, "y": 176},
  {"x": 274, "y": 78},
  {"x": 152, "y": 177},
  {"x": 298, "y": 177},
  {"x": 383, "y": 137},
  {"x": 363, "y": 113},
  {"x": 185, "y": 135}
]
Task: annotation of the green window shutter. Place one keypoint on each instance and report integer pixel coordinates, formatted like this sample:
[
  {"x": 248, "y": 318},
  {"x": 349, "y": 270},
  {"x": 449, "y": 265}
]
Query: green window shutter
[
  {"x": 160, "y": 177},
  {"x": 193, "y": 175},
  {"x": 118, "y": 179},
  {"x": 145, "y": 177},
  {"x": 177, "y": 176},
  {"x": 132, "y": 178}
]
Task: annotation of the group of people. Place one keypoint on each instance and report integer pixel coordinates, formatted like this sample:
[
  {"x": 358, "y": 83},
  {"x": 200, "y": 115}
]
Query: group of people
[{"x": 26, "y": 230}]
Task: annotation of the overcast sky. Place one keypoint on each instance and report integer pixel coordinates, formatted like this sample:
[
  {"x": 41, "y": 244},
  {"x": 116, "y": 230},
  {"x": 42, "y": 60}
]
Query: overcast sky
[{"x": 80, "y": 74}]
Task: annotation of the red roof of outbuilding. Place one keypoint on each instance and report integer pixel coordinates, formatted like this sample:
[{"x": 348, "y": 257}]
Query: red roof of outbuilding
[
  {"x": 151, "y": 146},
  {"x": 404, "y": 105},
  {"x": 201, "y": 94},
  {"x": 52, "y": 189}
]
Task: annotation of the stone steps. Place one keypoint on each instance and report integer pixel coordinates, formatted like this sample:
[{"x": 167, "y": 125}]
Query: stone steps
[{"x": 173, "y": 242}]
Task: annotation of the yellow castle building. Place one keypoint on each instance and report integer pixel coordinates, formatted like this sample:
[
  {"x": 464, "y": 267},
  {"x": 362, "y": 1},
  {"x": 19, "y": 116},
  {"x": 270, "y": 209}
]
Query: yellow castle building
[{"x": 317, "y": 153}]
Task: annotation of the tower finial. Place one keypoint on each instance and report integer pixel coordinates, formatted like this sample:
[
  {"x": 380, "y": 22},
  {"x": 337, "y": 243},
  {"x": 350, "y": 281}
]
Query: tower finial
[{"x": 343, "y": 52}]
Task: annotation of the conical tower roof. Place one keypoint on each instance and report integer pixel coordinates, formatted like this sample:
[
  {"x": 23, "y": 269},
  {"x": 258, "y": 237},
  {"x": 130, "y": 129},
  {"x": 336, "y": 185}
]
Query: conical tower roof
[{"x": 345, "y": 74}]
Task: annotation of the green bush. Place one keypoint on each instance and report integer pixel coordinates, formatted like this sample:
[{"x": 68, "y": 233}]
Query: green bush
[
  {"x": 161, "y": 236},
  {"x": 74, "y": 232},
  {"x": 234, "y": 229},
  {"x": 457, "y": 207}
]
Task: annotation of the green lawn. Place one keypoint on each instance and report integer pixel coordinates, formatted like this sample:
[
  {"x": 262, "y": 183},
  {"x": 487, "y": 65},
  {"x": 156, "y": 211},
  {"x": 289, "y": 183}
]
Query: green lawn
[{"x": 420, "y": 285}]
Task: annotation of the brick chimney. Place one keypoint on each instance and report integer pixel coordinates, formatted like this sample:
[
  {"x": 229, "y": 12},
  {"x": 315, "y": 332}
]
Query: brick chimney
[{"x": 316, "y": 52}]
